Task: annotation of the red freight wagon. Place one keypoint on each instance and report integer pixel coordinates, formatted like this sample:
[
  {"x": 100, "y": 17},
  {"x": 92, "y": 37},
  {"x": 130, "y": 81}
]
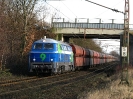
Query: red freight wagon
[
  {"x": 78, "y": 55},
  {"x": 77, "y": 50},
  {"x": 95, "y": 58},
  {"x": 108, "y": 58},
  {"x": 91, "y": 58},
  {"x": 86, "y": 57},
  {"x": 78, "y": 61},
  {"x": 103, "y": 58},
  {"x": 98, "y": 58}
]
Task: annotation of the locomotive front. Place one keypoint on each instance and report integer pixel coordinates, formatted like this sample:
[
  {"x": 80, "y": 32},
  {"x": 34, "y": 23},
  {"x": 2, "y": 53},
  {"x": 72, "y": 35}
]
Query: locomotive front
[
  {"x": 50, "y": 56},
  {"x": 42, "y": 56}
]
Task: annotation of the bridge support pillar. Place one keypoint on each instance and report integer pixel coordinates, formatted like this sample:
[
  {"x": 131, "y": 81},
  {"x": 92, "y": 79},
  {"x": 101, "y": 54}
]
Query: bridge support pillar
[{"x": 60, "y": 37}]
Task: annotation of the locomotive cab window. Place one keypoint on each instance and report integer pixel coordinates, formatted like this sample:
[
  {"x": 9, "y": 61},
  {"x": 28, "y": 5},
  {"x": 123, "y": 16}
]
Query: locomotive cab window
[
  {"x": 38, "y": 46},
  {"x": 48, "y": 46}
]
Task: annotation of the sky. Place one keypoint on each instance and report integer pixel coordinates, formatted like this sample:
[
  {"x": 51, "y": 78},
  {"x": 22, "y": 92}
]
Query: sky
[
  {"x": 83, "y": 10},
  {"x": 71, "y": 9}
]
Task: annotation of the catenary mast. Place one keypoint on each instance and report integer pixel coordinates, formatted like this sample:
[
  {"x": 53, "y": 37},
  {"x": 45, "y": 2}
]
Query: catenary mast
[
  {"x": 125, "y": 42},
  {"x": 125, "y": 46}
]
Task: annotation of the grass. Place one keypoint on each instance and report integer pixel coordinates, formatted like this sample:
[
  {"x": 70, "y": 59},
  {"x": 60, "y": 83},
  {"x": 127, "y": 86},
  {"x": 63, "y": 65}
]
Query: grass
[
  {"x": 99, "y": 87},
  {"x": 114, "y": 91},
  {"x": 7, "y": 75}
]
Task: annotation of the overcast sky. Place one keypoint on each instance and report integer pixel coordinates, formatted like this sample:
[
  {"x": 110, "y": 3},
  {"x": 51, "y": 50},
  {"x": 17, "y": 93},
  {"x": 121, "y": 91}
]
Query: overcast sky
[{"x": 71, "y": 9}]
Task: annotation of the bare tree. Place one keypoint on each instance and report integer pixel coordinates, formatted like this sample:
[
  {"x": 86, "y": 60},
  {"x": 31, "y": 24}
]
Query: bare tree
[
  {"x": 114, "y": 53},
  {"x": 18, "y": 30},
  {"x": 26, "y": 8},
  {"x": 16, "y": 20}
]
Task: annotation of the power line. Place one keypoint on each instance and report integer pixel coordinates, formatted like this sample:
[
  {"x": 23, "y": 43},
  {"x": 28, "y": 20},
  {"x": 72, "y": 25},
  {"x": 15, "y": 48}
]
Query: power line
[
  {"x": 115, "y": 10},
  {"x": 67, "y": 17},
  {"x": 64, "y": 15},
  {"x": 69, "y": 9},
  {"x": 58, "y": 10},
  {"x": 112, "y": 6}
]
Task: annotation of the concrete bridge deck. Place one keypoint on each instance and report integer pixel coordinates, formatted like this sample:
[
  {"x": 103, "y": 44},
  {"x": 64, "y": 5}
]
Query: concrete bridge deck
[{"x": 89, "y": 30}]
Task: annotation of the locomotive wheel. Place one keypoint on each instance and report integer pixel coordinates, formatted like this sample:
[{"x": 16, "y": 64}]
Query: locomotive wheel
[
  {"x": 73, "y": 68},
  {"x": 51, "y": 73},
  {"x": 60, "y": 70}
]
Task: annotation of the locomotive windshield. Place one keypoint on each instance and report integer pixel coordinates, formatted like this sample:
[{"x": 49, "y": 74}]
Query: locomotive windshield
[
  {"x": 38, "y": 46},
  {"x": 48, "y": 46}
]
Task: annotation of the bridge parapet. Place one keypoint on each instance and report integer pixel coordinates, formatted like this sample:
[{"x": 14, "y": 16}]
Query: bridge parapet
[{"x": 88, "y": 25}]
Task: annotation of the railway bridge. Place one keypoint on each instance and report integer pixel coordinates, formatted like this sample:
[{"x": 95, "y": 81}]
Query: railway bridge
[
  {"x": 88, "y": 30},
  {"x": 99, "y": 30}
]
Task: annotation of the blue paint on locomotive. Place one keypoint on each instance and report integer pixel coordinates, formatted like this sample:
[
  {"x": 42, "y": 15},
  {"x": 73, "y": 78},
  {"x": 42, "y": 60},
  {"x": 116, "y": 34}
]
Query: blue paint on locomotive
[{"x": 48, "y": 54}]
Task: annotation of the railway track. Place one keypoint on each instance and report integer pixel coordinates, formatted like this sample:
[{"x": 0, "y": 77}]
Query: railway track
[
  {"x": 18, "y": 87},
  {"x": 30, "y": 79},
  {"x": 47, "y": 83},
  {"x": 15, "y": 81}
]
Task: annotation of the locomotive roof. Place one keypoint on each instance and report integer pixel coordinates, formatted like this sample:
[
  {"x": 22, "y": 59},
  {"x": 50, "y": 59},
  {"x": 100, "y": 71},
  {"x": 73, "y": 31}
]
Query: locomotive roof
[{"x": 49, "y": 40}]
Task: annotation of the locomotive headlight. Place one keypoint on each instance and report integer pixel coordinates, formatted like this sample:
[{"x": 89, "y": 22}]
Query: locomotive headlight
[
  {"x": 34, "y": 59},
  {"x": 51, "y": 60}
]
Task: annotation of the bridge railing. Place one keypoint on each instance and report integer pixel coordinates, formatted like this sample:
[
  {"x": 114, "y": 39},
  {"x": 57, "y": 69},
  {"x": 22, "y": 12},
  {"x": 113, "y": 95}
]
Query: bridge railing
[{"x": 88, "y": 25}]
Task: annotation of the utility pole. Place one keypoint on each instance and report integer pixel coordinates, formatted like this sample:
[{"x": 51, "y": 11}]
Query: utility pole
[
  {"x": 125, "y": 43},
  {"x": 125, "y": 46}
]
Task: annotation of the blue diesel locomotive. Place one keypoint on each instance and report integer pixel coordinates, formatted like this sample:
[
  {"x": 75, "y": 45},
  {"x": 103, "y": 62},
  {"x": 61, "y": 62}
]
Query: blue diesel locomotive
[{"x": 50, "y": 56}]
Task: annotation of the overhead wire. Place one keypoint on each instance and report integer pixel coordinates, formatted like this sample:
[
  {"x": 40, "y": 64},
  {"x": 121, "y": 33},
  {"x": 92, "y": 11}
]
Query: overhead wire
[
  {"x": 65, "y": 16},
  {"x": 57, "y": 10},
  {"x": 108, "y": 8},
  {"x": 115, "y": 5},
  {"x": 61, "y": 13},
  {"x": 69, "y": 10},
  {"x": 68, "y": 18},
  {"x": 107, "y": 43}
]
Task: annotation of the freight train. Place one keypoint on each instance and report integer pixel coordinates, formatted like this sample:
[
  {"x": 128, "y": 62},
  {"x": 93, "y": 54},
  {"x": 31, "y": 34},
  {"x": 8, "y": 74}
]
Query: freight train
[{"x": 55, "y": 57}]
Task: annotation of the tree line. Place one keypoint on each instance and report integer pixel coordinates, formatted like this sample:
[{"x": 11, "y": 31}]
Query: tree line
[{"x": 20, "y": 27}]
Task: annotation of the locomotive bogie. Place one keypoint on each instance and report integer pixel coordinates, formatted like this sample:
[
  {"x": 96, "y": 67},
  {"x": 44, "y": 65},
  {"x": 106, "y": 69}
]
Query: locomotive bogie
[{"x": 39, "y": 67}]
